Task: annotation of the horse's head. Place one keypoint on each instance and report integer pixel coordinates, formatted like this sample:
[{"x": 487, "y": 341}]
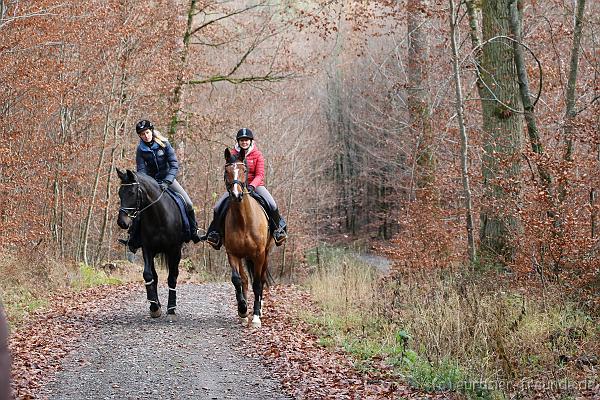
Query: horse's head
[
  {"x": 130, "y": 195},
  {"x": 236, "y": 174}
]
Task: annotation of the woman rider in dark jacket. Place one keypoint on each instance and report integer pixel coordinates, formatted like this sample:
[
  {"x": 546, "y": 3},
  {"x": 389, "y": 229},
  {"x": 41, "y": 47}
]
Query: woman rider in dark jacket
[{"x": 155, "y": 157}]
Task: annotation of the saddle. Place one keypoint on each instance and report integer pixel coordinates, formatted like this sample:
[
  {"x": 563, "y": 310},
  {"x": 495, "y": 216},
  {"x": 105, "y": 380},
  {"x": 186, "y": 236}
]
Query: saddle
[
  {"x": 184, "y": 215},
  {"x": 263, "y": 203}
]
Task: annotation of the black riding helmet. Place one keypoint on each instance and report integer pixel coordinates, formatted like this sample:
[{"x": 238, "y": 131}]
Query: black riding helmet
[
  {"x": 143, "y": 125},
  {"x": 244, "y": 133}
]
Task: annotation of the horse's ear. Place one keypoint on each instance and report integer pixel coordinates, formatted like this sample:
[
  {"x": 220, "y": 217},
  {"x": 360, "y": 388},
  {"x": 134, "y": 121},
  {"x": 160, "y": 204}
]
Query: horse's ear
[
  {"x": 227, "y": 154},
  {"x": 242, "y": 155},
  {"x": 121, "y": 174},
  {"x": 131, "y": 176}
]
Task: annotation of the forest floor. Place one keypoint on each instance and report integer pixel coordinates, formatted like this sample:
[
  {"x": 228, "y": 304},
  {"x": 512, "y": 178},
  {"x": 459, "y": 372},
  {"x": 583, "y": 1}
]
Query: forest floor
[{"x": 100, "y": 343}]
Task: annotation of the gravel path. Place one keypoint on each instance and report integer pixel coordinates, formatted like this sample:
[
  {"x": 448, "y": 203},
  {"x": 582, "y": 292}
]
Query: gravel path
[{"x": 128, "y": 355}]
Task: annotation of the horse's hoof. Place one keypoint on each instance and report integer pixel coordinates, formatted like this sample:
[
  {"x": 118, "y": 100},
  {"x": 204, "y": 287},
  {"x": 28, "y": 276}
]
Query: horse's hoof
[
  {"x": 172, "y": 318},
  {"x": 256, "y": 322},
  {"x": 244, "y": 321},
  {"x": 156, "y": 313}
]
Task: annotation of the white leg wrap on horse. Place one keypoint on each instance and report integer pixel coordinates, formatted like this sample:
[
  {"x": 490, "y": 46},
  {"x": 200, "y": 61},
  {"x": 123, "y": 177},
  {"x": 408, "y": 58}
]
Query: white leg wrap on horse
[
  {"x": 153, "y": 301},
  {"x": 173, "y": 289},
  {"x": 170, "y": 308},
  {"x": 149, "y": 283}
]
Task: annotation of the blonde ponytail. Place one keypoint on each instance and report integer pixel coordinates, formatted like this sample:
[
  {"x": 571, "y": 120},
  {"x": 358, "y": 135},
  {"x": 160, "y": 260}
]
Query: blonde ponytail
[{"x": 159, "y": 138}]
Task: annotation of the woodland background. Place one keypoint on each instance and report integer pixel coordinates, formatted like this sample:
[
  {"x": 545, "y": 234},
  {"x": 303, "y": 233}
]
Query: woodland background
[{"x": 356, "y": 108}]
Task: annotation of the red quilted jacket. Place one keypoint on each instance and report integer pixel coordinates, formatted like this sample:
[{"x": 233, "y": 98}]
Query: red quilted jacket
[{"x": 256, "y": 166}]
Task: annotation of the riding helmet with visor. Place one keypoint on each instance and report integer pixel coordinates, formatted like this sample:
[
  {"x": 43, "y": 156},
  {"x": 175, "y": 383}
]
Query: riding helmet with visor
[
  {"x": 143, "y": 125},
  {"x": 244, "y": 133}
]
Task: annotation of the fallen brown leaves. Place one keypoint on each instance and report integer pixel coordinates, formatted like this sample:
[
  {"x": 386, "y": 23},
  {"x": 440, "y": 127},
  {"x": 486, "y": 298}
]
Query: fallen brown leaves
[
  {"x": 38, "y": 346},
  {"x": 308, "y": 370}
]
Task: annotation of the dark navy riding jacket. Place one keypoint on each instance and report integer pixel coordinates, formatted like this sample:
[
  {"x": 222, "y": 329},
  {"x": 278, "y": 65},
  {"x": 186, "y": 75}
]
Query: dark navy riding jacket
[{"x": 157, "y": 161}]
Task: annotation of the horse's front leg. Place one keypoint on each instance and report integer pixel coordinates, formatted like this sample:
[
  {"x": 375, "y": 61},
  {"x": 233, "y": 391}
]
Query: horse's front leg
[
  {"x": 173, "y": 258},
  {"x": 258, "y": 281},
  {"x": 151, "y": 282},
  {"x": 236, "y": 279}
]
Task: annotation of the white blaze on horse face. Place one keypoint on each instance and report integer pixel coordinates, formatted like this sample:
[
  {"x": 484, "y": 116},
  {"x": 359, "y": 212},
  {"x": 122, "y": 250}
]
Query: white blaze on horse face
[{"x": 235, "y": 178}]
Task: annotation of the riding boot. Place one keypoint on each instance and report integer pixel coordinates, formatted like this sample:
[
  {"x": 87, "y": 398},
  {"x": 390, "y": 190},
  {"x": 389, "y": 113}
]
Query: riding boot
[
  {"x": 279, "y": 227},
  {"x": 193, "y": 225},
  {"x": 215, "y": 233}
]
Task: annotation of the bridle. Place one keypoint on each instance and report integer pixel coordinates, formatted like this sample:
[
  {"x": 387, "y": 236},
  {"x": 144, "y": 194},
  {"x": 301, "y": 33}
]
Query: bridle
[
  {"x": 138, "y": 202},
  {"x": 230, "y": 185}
]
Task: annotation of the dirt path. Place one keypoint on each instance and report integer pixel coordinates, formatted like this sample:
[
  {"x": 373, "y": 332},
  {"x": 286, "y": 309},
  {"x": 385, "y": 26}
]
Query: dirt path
[{"x": 128, "y": 355}]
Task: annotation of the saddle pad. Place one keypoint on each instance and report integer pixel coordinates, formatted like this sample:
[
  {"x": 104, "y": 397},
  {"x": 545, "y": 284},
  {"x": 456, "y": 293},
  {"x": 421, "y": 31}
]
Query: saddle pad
[
  {"x": 265, "y": 207},
  {"x": 184, "y": 217}
]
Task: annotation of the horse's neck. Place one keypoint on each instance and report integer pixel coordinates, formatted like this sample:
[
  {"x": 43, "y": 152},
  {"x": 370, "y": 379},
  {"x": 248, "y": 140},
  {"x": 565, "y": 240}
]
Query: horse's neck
[
  {"x": 242, "y": 210},
  {"x": 159, "y": 207}
]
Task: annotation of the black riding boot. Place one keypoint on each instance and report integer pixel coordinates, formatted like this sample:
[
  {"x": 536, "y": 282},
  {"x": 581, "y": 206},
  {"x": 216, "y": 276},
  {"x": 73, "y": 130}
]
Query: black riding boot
[
  {"x": 193, "y": 225},
  {"x": 279, "y": 227},
  {"x": 134, "y": 241},
  {"x": 215, "y": 233}
]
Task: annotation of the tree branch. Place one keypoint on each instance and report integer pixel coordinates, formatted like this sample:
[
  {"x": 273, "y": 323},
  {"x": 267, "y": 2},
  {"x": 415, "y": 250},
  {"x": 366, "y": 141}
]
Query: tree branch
[{"x": 228, "y": 78}]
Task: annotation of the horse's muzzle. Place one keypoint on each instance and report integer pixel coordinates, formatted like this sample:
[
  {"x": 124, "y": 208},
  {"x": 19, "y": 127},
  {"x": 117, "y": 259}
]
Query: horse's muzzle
[{"x": 123, "y": 220}]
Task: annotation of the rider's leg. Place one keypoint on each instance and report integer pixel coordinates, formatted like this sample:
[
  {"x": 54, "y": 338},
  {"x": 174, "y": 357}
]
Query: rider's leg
[
  {"x": 215, "y": 232},
  {"x": 189, "y": 207},
  {"x": 278, "y": 225}
]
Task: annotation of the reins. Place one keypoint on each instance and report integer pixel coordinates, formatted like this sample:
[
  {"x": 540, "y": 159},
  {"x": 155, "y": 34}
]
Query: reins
[{"x": 136, "y": 210}]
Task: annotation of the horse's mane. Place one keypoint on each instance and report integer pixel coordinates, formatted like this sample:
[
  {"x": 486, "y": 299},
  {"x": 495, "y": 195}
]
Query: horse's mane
[{"x": 147, "y": 181}]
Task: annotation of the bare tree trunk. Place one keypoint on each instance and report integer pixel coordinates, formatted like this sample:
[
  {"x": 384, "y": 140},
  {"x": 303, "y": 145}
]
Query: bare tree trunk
[
  {"x": 101, "y": 156},
  {"x": 515, "y": 27},
  {"x": 177, "y": 92},
  {"x": 502, "y": 127},
  {"x": 570, "y": 112},
  {"x": 90, "y": 210},
  {"x": 528, "y": 106},
  {"x": 594, "y": 216},
  {"x": 464, "y": 148},
  {"x": 418, "y": 92},
  {"x": 290, "y": 204},
  {"x": 57, "y": 221}
]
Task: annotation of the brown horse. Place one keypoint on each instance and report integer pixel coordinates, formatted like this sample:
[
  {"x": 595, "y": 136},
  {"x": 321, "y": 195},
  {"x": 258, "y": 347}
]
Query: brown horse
[{"x": 247, "y": 237}]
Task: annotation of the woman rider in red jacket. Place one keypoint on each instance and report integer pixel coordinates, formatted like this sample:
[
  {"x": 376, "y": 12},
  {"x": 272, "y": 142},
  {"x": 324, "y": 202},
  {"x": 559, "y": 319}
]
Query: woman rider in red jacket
[{"x": 256, "y": 175}]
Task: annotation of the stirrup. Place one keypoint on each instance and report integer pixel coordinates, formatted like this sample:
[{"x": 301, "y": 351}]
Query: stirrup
[
  {"x": 195, "y": 238},
  {"x": 214, "y": 239},
  {"x": 280, "y": 237}
]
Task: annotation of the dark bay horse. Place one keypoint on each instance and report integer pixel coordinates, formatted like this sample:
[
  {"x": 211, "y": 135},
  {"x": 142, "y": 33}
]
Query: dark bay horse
[
  {"x": 247, "y": 238},
  {"x": 161, "y": 232}
]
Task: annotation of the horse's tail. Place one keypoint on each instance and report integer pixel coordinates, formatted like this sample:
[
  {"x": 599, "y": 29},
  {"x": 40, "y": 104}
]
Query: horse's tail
[
  {"x": 163, "y": 261},
  {"x": 250, "y": 267},
  {"x": 270, "y": 279}
]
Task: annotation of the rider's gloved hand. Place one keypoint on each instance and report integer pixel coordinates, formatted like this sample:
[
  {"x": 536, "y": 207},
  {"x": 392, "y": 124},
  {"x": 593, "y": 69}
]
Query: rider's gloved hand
[
  {"x": 251, "y": 188},
  {"x": 164, "y": 185}
]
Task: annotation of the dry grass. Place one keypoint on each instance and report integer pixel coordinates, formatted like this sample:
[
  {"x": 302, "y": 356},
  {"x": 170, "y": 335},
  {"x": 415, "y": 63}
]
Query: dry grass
[{"x": 458, "y": 328}]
